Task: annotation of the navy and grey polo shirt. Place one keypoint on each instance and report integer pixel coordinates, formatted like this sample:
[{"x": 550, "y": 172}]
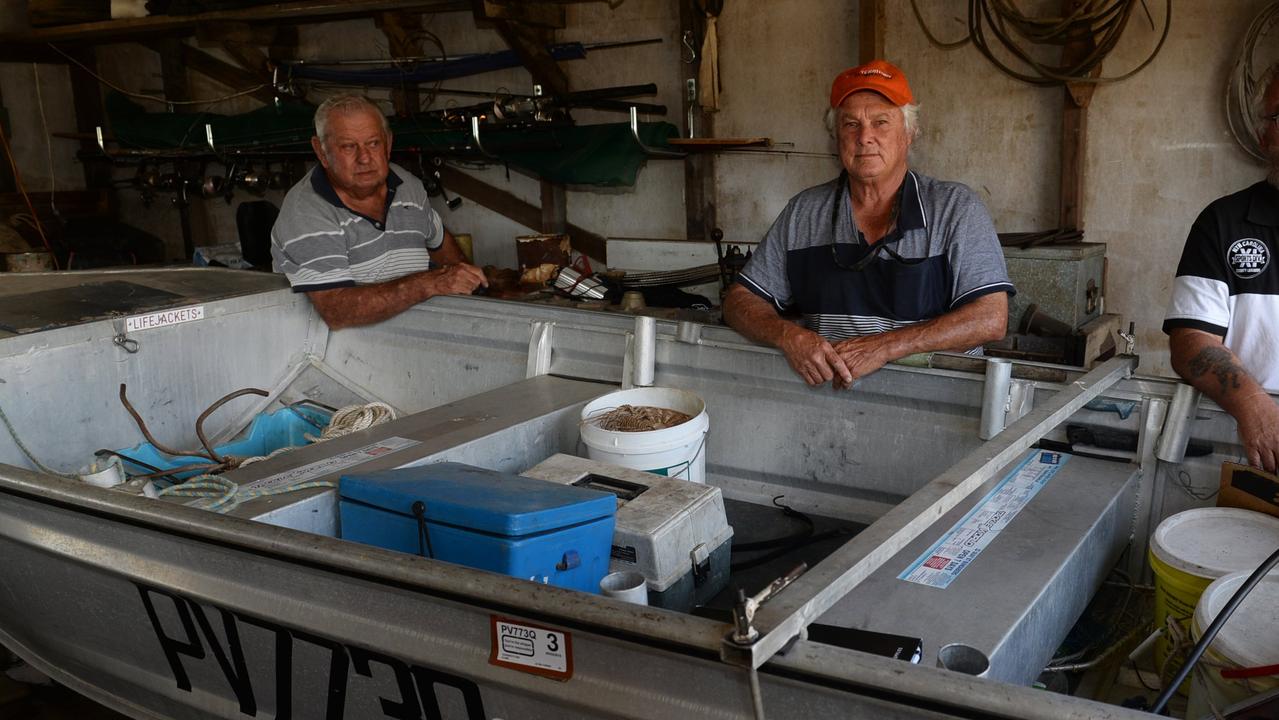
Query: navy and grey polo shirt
[
  {"x": 944, "y": 253},
  {"x": 1227, "y": 282},
  {"x": 319, "y": 243}
]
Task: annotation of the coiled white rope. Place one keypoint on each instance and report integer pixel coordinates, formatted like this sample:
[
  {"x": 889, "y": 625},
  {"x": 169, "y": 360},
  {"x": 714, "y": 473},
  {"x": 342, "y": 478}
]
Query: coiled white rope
[{"x": 354, "y": 418}]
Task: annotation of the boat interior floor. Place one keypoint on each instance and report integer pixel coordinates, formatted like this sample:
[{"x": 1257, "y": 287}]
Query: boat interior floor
[{"x": 768, "y": 542}]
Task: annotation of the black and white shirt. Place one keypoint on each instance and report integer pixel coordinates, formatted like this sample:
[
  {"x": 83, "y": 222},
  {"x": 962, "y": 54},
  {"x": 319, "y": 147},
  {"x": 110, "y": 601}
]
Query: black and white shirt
[
  {"x": 1227, "y": 282},
  {"x": 944, "y": 253},
  {"x": 319, "y": 243}
]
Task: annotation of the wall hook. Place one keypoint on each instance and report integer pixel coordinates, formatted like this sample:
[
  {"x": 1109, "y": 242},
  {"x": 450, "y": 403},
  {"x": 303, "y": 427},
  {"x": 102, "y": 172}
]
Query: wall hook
[{"x": 688, "y": 54}]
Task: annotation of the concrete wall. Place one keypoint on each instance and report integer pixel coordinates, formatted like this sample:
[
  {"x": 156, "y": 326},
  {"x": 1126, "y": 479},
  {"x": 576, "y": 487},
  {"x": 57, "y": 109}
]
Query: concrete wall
[
  {"x": 1158, "y": 146},
  {"x": 30, "y": 144}
]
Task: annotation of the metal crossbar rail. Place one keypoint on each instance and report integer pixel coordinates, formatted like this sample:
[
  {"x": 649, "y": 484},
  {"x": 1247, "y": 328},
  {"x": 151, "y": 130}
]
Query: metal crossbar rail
[{"x": 783, "y": 618}]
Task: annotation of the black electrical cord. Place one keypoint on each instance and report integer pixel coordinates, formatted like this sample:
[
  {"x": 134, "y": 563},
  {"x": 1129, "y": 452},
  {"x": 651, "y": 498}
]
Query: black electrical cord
[
  {"x": 785, "y": 539},
  {"x": 1094, "y": 27},
  {"x": 1211, "y": 633},
  {"x": 779, "y": 546},
  {"x": 795, "y": 545}
]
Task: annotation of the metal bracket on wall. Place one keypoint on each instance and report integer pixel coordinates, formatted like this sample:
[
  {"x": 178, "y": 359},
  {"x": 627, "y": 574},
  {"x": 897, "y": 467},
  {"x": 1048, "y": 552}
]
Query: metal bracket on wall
[
  {"x": 475, "y": 137},
  {"x": 648, "y": 150},
  {"x": 539, "y": 349}
]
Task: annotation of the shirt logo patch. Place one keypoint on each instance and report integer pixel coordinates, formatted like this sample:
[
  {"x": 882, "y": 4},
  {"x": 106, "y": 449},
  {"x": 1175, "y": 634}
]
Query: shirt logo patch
[{"x": 1248, "y": 257}]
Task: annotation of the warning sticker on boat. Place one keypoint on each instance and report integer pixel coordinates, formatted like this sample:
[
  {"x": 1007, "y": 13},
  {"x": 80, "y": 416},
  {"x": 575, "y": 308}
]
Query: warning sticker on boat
[
  {"x": 531, "y": 648},
  {"x": 959, "y": 546},
  {"x": 330, "y": 465},
  {"x": 161, "y": 319}
]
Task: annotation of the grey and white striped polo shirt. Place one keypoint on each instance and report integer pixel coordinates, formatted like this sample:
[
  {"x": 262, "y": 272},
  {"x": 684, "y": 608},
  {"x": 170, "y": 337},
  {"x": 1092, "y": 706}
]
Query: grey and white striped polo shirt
[{"x": 319, "y": 243}]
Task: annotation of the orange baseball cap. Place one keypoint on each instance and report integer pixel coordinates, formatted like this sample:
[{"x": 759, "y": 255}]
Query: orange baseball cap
[{"x": 878, "y": 76}]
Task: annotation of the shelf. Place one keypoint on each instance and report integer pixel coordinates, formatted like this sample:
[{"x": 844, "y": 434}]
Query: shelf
[
  {"x": 33, "y": 44},
  {"x": 709, "y": 144}
]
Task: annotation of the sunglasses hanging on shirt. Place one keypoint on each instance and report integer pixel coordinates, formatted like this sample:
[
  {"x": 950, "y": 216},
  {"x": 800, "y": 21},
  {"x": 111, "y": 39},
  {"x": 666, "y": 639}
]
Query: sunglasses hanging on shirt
[{"x": 841, "y": 191}]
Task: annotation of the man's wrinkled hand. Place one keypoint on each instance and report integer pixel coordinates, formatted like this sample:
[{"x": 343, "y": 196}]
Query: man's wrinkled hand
[
  {"x": 1259, "y": 432},
  {"x": 813, "y": 358},
  {"x": 459, "y": 279},
  {"x": 862, "y": 355}
]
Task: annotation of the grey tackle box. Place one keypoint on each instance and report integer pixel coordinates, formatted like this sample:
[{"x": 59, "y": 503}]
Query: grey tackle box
[{"x": 671, "y": 531}]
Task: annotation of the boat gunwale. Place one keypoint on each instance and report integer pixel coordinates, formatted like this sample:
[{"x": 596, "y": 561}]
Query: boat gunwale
[{"x": 434, "y": 578}]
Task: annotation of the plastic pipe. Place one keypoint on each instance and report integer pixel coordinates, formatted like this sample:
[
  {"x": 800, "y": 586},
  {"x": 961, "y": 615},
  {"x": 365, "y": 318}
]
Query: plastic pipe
[
  {"x": 994, "y": 399},
  {"x": 645, "y": 351},
  {"x": 1176, "y": 432}
]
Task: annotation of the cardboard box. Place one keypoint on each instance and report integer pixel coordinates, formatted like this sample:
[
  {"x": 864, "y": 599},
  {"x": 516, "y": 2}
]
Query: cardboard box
[{"x": 1250, "y": 488}]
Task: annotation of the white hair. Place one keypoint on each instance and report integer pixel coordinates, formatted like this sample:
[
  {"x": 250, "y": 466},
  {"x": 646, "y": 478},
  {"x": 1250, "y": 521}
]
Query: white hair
[
  {"x": 346, "y": 103},
  {"x": 910, "y": 118}
]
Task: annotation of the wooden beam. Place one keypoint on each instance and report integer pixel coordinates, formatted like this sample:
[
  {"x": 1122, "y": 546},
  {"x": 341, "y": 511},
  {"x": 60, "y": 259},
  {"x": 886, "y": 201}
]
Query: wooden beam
[
  {"x": 285, "y": 42},
  {"x": 7, "y": 182},
  {"x": 215, "y": 33},
  {"x": 530, "y": 44},
  {"x": 298, "y": 11},
  {"x": 1074, "y": 132},
  {"x": 526, "y": 214},
  {"x": 527, "y": 12},
  {"x": 554, "y": 207},
  {"x": 404, "y": 40},
  {"x": 250, "y": 57},
  {"x": 233, "y": 77},
  {"x": 173, "y": 69},
  {"x": 699, "y": 171},
  {"x": 870, "y": 39},
  {"x": 65, "y": 12},
  {"x": 86, "y": 95}
]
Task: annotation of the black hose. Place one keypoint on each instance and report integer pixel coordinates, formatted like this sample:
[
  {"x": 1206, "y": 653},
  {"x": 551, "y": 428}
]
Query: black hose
[
  {"x": 1213, "y": 629},
  {"x": 795, "y": 545}
]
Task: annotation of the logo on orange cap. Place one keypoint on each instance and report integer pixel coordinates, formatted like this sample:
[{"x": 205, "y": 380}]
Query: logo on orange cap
[{"x": 878, "y": 76}]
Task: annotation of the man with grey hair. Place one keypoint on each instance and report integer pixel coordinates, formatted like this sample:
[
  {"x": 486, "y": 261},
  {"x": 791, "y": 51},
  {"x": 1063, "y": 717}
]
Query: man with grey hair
[
  {"x": 1223, "y": 320},
  {"x": 882, "y": 262},
  {"x": 357, "y": 234}
]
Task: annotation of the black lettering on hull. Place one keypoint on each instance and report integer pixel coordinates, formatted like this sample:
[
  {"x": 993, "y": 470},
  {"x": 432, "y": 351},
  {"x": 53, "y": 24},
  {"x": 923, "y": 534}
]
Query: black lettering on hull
[{"x": 417, "y": 685}]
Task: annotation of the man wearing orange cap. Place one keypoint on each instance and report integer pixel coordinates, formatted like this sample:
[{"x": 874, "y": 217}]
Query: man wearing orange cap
[{"x": 880, "y": 263}]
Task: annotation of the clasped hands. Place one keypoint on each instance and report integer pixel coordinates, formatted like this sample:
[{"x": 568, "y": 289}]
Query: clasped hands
[{"x": 817, "y": 360}]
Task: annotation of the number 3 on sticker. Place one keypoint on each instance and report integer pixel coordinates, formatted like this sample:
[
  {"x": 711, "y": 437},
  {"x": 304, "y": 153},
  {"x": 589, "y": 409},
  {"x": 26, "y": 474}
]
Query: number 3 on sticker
[{"x": 519, "y": 645}]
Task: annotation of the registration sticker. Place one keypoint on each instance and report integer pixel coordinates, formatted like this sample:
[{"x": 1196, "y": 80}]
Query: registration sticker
[
  {"x": 959, "y": 547},
  {"x": 531, "y": 648}
]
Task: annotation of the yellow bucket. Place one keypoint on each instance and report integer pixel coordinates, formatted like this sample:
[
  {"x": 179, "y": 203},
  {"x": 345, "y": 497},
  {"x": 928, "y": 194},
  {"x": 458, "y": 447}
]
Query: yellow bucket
[{"x": 1191, "y": 549}]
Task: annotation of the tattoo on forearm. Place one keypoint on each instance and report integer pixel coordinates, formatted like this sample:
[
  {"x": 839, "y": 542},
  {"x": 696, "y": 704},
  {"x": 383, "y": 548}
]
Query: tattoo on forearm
[{"x": 1219, "y": 362}]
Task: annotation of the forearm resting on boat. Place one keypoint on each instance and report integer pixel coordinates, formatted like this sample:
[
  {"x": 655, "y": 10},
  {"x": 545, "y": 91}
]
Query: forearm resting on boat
[
  {"x": 972, "y": 324},
  {"x": 368, "y": 304},
  {"x": 1204, "y": 361},
  {"x": 809, "y": 354}
]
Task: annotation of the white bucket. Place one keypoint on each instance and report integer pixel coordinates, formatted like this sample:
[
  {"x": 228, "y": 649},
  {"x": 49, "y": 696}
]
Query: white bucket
[
  {"x": 1191, "y": 549},
  {"x": 1249, "y": 639},
  {"x": 678, "y": 451}
]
